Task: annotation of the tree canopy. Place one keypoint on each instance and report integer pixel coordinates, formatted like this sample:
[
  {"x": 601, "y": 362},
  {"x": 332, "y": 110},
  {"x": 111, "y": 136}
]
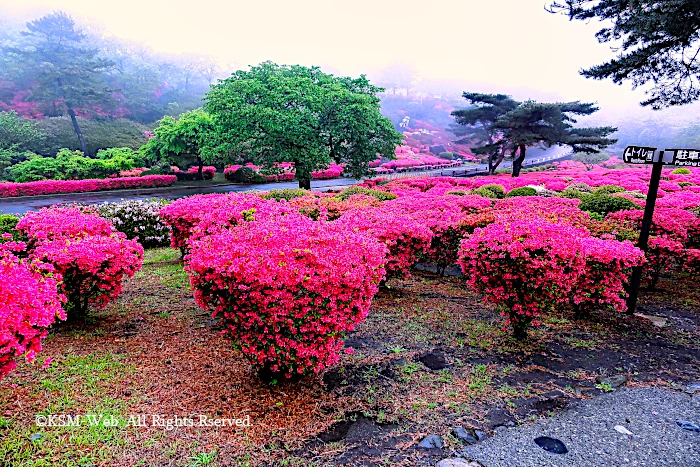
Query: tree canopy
[
  {"x": 64, "y": 71},
  {"x": 660, "y": 44},
  {"x": 277, "y": 113},
  {"x": 477, "y": 125},
  {"x": 180, "y": 141},
  {"x": 499, "y": 124},
  {"x": 15, "y": 134}
]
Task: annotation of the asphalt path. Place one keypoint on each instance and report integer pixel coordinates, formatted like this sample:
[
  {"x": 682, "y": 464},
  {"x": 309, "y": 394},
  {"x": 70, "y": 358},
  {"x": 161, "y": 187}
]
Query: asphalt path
[
  {"x": 23, "y": 204},
  {"x": 650, "y": 436}
]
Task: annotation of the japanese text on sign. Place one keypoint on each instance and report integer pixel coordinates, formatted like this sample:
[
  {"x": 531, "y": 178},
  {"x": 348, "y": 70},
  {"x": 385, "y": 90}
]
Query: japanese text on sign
[{"x": 638, "y": 155}]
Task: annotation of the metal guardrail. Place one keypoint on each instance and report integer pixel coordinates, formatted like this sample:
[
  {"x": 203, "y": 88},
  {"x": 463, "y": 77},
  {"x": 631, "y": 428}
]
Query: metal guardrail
[{"x": 460, "y": 173}]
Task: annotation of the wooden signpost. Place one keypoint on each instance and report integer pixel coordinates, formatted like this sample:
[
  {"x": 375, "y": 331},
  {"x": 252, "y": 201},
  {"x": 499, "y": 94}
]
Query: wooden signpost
[{"x": 647, "y": 155}]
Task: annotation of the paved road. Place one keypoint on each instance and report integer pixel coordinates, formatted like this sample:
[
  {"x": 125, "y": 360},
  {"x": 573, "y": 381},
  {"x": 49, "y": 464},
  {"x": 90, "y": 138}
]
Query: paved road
[
  {"x": 34, "y": 203},
  {"x": 588, "y": 430}
]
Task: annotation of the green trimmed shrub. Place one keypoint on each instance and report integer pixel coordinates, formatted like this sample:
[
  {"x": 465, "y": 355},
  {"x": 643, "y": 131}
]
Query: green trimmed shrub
[
  {"x": 153, "y": 171},
  {"x": 681, "y": 171},
  {"x": 522, "y": 191},
  {"x": 498, "y": 190},
  {"x": 360, "y": 190},
  {"x": 608, "y": 189},
  {"x": 457, "y": 193},
  {"x": 446, "y": 155},
  {"x": 246, "y": 175},
  {"x": 8, "y": 222},
  {"x": 485, "y": 193},
  {"x": 286, "y": 194},
  {"x": 572, "y": 193},
  {"x": 605, "y": 204}
]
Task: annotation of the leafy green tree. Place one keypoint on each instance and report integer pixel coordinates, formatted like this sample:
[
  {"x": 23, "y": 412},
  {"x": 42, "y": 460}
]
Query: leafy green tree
[
  {"x": 15, "y": 134},
  {"x": 181, "y": 141},
  {"x": 660, "y": 44},
  {"x": 297, "y": 114},
  {"x": 477, "y": 125},
  {"x": 64, "y": 72},
  {"x": 590, "y": 159}
]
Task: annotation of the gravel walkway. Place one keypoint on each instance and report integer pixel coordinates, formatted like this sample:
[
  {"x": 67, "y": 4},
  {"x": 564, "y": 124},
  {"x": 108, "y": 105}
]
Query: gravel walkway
[{"x": 588, "y": 430}]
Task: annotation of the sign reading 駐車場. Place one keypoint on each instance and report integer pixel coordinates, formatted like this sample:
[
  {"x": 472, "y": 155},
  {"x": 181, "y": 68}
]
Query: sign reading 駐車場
[{"x": 685, "y": 157}]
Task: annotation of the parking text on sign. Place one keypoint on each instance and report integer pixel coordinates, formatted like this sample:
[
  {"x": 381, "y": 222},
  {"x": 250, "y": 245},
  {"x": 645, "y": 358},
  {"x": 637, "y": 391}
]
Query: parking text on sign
[{"x": 686, "y": 157}]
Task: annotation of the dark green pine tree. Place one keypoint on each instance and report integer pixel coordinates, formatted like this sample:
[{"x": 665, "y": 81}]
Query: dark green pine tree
[
  {"x": 499, "y": 124},
  {"x": 549, "y": 124},
  {"x": 65, "y": 73},
  {"x": 476, "y": 125},
  {"x": 659, "y": 43}
]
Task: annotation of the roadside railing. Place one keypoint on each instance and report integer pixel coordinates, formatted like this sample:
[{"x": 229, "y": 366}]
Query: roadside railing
[{"x": 466, "y": 172}]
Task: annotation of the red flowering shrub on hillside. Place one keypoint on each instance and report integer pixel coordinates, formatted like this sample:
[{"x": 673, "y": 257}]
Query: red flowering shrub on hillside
[
  {"x": 29, "y": 303},
  {"x": 92, "y": 267},
  {"x": 287, "y": 288},
  {"x": 48, "y": 187},
  {"x": 405, "y": 237}
]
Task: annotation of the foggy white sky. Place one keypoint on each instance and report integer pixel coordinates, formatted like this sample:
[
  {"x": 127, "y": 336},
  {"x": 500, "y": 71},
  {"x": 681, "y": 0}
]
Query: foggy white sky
[{"x": 510, "y": 46}]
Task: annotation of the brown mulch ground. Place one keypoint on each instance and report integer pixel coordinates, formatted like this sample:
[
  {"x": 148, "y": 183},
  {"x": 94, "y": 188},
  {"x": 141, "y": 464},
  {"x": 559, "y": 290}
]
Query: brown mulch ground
[{"x": 155, "y": 352}]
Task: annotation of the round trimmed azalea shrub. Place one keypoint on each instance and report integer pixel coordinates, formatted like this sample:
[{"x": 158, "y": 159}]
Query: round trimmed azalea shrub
[
  {"x": 206, "y": 213},
  {"x": 29, "y": 303},
  {"x": 287, "y": 288},
  {"x": 406, "y": 238},
  {"x": 93, "y": 268},
  {"x": 526, "y": 266},
  {"x": 603, "y": 283},
  {"x": 63, "y": 222}
]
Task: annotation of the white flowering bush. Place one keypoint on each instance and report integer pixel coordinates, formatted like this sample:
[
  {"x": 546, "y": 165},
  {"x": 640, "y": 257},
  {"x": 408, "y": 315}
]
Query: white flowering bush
[{"x": 139, "y": 220}]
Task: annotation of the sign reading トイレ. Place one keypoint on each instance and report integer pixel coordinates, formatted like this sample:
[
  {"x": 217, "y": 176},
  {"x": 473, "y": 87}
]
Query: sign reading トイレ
[{"x": 638, "y": 155}]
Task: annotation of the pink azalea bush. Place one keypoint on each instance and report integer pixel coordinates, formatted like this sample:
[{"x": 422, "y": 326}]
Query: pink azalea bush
[
  {"x": 208, "y": 171},
  {"x": 58, "y": 223},
  {"x": 91, "y": 256},
  {"x": 406, "y": 238},
  {"x": 93, "y": 268},
  {"x": 287, "y": 288},
  {"x": 213, "y": 211},
  {"x": 29, "y": 303},
  {"x": 447, "y": 217},
  {"x": 49, "y": 187},
  {"x": 602, "y": 282},
  {"x": 528, "y": 266}
]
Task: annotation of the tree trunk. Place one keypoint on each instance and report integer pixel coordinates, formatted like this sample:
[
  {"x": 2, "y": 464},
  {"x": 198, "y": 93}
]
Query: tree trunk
[
  {"x": 76, "y": 127},
  {"x": 305, "y": 183},
  {"x": 493, "y": 165},
  {"x": 518, "y": 162},
  {"x": 201, "y": 167}
]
